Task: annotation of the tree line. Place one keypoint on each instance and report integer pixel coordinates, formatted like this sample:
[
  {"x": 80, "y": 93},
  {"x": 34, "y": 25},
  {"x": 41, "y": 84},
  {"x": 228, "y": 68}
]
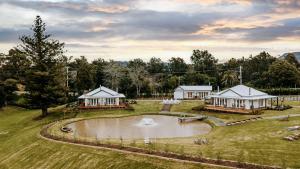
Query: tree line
[{"x": 39, "y": 67}]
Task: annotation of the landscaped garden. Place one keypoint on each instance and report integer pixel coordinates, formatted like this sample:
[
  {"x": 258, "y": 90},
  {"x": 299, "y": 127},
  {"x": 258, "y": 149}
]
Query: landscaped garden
[{"x": 259, "y": 142}]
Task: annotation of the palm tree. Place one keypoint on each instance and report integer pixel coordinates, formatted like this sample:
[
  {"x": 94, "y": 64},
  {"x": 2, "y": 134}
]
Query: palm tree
[{"x": 229, "y": 78}]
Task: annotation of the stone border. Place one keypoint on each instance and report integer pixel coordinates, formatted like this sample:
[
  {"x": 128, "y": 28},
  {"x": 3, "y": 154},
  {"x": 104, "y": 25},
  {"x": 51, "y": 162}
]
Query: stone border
[{"x": 153, "y": 153}]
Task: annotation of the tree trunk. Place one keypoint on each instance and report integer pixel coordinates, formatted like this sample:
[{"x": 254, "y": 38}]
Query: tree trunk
[
  {"x": 44, "y": 111},
  {"x": 137, "y": 90}
]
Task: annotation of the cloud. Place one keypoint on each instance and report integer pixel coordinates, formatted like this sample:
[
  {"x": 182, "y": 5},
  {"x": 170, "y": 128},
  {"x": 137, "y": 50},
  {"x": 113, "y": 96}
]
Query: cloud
[
  {"x": 285, "y": 28},
  {"x": 101, "y": 24}
]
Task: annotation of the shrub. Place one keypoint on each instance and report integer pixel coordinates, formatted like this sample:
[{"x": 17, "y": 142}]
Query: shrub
[
  {"x": 199, "y": 108},
  {"x": 257, "y": 112}
]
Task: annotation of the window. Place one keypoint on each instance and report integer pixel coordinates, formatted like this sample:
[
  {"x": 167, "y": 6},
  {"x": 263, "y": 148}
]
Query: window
[
  {"x": 190, "y": 94},
  {"x": 261, "y": 103}
]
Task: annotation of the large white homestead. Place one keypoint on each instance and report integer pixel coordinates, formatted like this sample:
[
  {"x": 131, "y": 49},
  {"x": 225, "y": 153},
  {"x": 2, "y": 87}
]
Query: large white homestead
[
  {"x": 192, "y": 92},
  {"x": 242, "y": 97},
  {"x": 100, "y": 97}
]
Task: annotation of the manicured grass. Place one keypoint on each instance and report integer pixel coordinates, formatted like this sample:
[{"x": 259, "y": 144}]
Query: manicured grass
[
  {"x": 186, "y": 106},
  {"x": 257, "y": 142},
  {"x": 20, "y": 147},
  {"x": 292, "y": 103}
]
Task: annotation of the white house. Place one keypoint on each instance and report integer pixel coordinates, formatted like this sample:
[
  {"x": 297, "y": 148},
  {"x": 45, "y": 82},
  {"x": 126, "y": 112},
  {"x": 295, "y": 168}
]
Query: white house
[
  {"x": 100, "y": 97},
  {"x": 242, "y": 97},
  {"x": 192, "y": 92}
]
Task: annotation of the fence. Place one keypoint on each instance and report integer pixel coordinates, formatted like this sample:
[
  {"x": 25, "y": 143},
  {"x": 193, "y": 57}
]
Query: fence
[{"x": 289, "y": 97}]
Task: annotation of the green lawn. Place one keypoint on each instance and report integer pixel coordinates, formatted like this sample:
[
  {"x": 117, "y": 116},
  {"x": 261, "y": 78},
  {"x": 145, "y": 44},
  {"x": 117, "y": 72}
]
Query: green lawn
[
  {"x": 258, "y": 142},
  {"x": 292, "y": 103},
  {"x": 186, "y": 106},
  {"x": 20, "y": 146}
]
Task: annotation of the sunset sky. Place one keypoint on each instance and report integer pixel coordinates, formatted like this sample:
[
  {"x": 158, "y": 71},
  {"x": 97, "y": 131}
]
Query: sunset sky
[{"x": 127, "y": 29}]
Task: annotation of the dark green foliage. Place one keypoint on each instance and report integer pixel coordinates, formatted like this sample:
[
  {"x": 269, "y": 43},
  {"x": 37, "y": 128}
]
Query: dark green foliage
[
  {"x": 126, "y": 86},
  {"x": 204, "y": 61},
  {"x": 177, "y": 66},
  {"x": 255, "y": 67},
  {"x": 16, "y": 65},
  {"x": 2, "y": 96},
  {"x": 45, "y": 80},
  {"x": 137, "y": 73},
  {"x": 291, "y": 58},
  {"x": 229, "y": 78},
  {"x": 282, "y": 73},
  {"x": 85, "y": 75},
  {"x": 98, "y": 66},
  {"x": 10, "y": 85},
  {"x": 155, "y": 66},
  {"x": 194, "y": 78}
]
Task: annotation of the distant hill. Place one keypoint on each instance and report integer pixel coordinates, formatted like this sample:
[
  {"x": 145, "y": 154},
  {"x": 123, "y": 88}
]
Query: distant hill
[{"x": 297, "y": 54}]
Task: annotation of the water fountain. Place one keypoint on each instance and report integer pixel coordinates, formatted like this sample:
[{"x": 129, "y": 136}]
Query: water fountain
[{"x": 146, "y": 122}]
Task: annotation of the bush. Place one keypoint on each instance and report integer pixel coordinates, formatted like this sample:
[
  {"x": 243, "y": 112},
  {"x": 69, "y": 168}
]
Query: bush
[
  {"x": 199, "y": 108},
  {"x": 257, "y": 112}
]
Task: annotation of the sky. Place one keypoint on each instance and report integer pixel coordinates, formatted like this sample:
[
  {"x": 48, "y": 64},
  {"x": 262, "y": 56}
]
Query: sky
[{"x": 127, "y": 29}]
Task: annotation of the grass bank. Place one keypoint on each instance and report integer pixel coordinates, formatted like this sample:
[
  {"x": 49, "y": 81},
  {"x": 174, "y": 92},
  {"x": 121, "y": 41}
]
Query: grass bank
[
  {"x": 20, "y": 146},
  {"x": 256, "y": 142}
]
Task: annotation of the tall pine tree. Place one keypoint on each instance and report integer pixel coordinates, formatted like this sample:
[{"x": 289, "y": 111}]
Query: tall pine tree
[{"x": 45, "y": 80}]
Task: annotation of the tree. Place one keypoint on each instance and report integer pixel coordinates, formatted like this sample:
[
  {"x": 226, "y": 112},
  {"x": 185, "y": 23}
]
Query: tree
[
  {"x": 231, "y": 64},
  {"x": 45, "y": 80},
  {"x": 291, "y": 58},
  {"x": 173, "y": 82},
  {"x": 125, "y": 85},
  {"x": 254, "y": 67},
  {"x": 177, "y": 66},
  {"x": 85, "y": 75},
  {"x": 137, "y": 73},
  {"x": 195, "y": 78},
  {"x": 2, "y": 64},
  {"x": 99, "y": 77},
  {"x": 16, "y": 64},
  {"x": 113, "y": 72},
  {"x": 204, "y": 61},
  {"x": 229, "y": 78},
  {"x": 3, "y": 96},
  {"x": 283, "y": 74},
  {"x": 10, "y": 85},
  {"x": 155, "y": 65}
]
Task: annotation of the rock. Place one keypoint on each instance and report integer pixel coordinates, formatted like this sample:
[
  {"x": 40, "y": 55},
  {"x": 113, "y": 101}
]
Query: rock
[{"x": 288, "y": 138}]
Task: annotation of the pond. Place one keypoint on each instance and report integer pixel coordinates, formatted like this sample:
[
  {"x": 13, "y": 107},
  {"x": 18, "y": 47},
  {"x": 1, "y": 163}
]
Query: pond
[{"x": 138, "y": 127}]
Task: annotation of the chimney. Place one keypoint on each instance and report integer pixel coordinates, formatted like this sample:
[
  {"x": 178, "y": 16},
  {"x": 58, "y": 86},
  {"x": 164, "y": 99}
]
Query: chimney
[
  {"x": 249, "y": 91},
  {"x": 100, "y": 87}
]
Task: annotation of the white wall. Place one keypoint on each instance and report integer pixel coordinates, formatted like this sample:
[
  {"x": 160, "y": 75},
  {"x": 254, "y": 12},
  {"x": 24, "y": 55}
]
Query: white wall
[{"x": 178, "y": 95}]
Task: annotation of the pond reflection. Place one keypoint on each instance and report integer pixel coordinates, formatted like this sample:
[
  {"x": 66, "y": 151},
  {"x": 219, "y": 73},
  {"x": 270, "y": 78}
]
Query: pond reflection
[{"x": 138, "y": 127}]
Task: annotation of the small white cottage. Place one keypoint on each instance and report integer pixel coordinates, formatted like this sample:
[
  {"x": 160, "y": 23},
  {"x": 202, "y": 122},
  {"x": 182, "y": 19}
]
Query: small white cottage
[
  {"x": 100, "y": 97},
  {"x": 192, "y": 92},
  {"x": 242, "y": 97}
]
